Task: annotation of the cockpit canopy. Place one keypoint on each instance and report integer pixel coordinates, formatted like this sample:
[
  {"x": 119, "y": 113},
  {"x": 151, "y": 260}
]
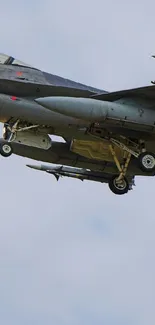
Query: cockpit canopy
[{"x": 9, "y": 60}]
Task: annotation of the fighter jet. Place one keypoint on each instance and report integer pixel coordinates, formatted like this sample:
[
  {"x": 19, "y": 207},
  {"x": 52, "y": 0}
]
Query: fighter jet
[{"x": 109, "y": 136}]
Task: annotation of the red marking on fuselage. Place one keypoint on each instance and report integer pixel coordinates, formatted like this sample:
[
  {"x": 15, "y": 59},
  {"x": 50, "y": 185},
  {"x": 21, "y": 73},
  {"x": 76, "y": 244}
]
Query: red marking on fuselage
[
  {"x": 19, "y": 73},
  {"x": 13, "y": 97}
]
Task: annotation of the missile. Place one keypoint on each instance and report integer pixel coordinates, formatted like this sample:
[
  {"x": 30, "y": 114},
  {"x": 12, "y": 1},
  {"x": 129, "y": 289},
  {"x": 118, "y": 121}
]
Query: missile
[
  {"x": 79, "y": 173},
  {"x": 93, "y": 110}
]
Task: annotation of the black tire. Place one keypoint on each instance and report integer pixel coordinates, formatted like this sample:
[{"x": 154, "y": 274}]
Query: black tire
[
  {"x": 118, "y": 188},
  {"x": 147, "y": 162},
  {"x": 6, "y": 150}
]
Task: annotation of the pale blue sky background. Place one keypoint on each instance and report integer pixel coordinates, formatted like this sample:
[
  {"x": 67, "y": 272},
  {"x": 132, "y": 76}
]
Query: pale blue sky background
[{"x": 72, "y": 253}]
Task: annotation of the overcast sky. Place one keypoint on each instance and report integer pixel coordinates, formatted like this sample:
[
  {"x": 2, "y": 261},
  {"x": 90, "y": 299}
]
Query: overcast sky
[{"x": 72, "y": 253}]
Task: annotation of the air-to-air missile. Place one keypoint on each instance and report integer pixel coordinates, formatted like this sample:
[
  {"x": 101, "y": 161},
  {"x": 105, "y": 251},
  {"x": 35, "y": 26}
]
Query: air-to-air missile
[
  {"x": 93, "y": 110},
  {"x": 82, "y": 174}
]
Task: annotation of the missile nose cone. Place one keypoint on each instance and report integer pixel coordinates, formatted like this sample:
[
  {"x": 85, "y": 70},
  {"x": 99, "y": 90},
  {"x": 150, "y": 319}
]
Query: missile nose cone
[{"x": 34, "y": 167}]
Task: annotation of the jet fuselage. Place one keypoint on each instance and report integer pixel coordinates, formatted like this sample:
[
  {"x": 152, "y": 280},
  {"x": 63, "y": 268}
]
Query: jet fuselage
[{"x": 21, "y": 86}]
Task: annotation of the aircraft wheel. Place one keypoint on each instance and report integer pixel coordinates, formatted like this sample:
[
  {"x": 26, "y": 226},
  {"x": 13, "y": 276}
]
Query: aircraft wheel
[
  {"x": 5, "y": 150},
  {"x": 120, "y": 187},
  {"x": 147, "y": 161}
]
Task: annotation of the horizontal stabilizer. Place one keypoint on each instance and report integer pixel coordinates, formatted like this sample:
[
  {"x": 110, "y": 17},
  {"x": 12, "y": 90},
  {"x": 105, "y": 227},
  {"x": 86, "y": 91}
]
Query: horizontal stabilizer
[{"x": 142, "y": 92}]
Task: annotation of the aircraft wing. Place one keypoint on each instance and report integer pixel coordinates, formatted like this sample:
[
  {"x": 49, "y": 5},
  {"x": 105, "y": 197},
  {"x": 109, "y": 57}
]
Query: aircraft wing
[
  {"x": 56, "y": 81},
  {"x": 142, "y": 92}
]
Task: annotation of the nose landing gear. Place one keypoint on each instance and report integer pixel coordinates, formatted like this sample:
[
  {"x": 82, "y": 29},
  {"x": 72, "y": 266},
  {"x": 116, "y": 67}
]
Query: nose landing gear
[{"x": 10, "y": 131}]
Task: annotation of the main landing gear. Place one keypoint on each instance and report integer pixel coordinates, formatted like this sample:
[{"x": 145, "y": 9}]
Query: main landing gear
[
  {"x": 6, "y": 150},
  {"x": 147, "y": 162},
  {"x": 119, "y": 184}
]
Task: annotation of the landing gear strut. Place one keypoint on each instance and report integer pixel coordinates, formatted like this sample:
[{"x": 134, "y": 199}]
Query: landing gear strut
[
  {"x": 10, "y": 131},
  {"x": 146, "y": 159},
  {"x": 119, "y": 183}
]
